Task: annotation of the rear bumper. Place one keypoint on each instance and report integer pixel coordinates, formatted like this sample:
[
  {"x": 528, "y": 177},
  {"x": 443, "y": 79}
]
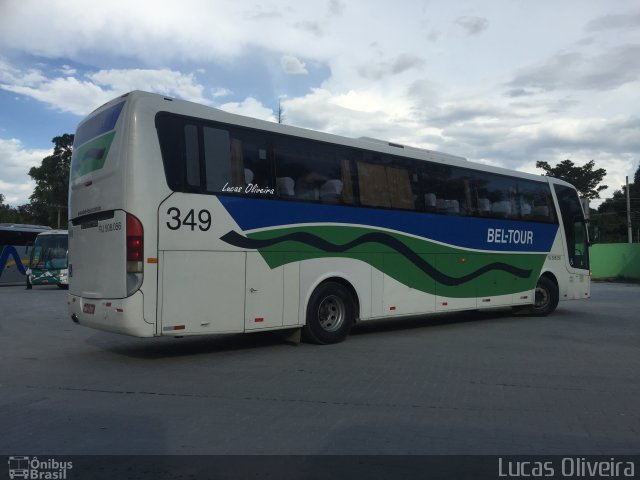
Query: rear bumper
[{"x": 118, "y": 315}]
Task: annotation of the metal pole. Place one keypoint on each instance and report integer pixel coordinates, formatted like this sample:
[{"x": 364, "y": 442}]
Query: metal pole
[{"x": 630, "y": 231}]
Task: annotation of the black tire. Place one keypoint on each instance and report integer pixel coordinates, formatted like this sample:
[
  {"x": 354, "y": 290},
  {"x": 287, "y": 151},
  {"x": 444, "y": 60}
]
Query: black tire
[
  {"x": 331, "y": 313},
  {"x": 63, "y": 287},
  {"x": 547, "y": 296}
]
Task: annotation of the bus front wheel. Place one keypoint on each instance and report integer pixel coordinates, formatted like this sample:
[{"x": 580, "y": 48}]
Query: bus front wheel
[
  {"x": 547, "y": 296},
  {"x": 330, "y": 314}
]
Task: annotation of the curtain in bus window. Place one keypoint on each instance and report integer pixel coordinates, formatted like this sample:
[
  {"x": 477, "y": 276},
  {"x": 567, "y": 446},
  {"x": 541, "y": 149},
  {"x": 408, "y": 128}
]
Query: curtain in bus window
[
  {"x": 347, "y": 190},
  {"x": 372, "y": 180},
  {"x": 399, "y": 186},
  {"x": 192, "y": 156},
  {"x": 237, "y": 163},
  {"x": 218, "y": 164}
]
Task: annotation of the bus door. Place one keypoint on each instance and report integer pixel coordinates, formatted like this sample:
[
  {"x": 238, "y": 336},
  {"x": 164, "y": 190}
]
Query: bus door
[{"x": 577, "y": 243}]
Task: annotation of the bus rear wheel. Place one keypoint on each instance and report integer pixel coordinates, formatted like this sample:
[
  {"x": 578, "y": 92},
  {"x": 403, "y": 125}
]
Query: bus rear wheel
[{"x": 330, "y": 314}]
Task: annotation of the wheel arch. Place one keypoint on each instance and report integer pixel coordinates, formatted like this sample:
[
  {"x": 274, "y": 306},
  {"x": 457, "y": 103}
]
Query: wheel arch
[
  {"x": 337, "y": 279},
  {"x": 551, "y": 276}
]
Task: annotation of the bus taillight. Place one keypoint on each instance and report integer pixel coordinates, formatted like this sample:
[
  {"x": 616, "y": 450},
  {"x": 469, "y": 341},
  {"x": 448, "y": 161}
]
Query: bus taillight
[{"x": 135, "y": 244}]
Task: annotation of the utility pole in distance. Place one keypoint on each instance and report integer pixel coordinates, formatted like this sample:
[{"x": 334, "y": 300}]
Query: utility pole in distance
[{"x": 630, "y": 231}]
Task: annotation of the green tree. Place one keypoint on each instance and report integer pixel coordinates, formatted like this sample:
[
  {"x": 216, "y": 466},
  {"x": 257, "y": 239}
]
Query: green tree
[
  {"x": 8, "y": 214},
  {"x": 610, "y": 222},
  {"x": 585, "y": 179},
  {"x": 51, "y": 194}
]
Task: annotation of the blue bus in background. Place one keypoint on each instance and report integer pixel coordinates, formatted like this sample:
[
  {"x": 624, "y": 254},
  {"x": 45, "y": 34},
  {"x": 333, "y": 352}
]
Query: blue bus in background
[{"x": 16, "y": 241}]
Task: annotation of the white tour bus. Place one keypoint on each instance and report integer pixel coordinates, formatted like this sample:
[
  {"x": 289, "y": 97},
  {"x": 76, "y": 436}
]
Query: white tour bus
[{"x": 188, "y": 220}]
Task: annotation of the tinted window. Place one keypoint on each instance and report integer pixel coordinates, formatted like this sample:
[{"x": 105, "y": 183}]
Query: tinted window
[
  {"x": 203, "y": 156},
  {"x": 313, "y": 171},
  {"x": 172, "y": 145},
  {"x": 385, "y": 181},
  {"x": 575, "y": 230},
  {"x": 95, "y": 126},
  {"x": 192, "y": 155},
  {"x": 9, "y": 237},
  {"x": 250, "y": 164}
]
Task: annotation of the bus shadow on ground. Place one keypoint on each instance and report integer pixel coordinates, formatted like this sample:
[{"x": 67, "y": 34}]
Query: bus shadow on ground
[
  {"x": 167, "y": 347},
  {"x": 432, "y": 320}
]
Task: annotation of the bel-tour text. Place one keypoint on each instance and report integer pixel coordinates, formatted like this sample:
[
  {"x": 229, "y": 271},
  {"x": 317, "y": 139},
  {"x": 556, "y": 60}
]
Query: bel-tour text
[{"x": 504, "y": 235}]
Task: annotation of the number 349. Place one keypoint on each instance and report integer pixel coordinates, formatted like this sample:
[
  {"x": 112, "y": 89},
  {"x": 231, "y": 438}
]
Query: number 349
[{"x": 203, "y": 221}]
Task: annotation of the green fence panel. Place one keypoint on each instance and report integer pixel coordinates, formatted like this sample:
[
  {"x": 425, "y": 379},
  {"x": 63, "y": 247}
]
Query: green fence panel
[{"x": 615, "y": 260}]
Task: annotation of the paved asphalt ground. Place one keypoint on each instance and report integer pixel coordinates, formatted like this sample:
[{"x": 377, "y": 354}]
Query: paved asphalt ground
[{"x": 472, "y": 383}]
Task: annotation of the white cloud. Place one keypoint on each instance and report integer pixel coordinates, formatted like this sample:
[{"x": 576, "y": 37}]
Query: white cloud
[
  {"x": 65, "y": 94},
  {"x": 15, "y": 183},
  {"x": 221, "y": 92},
  {"x": 471, "y": 79},
  {"x": 81, "y": 96},
  {"x": 249, "y": 107},
  {"x": 293, "y": 66},
  {"x": 164, "y": 81}
]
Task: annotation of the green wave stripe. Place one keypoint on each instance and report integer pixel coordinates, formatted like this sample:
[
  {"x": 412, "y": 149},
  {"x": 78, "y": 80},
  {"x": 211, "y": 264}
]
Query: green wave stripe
[{"x": 451, "y": 261}]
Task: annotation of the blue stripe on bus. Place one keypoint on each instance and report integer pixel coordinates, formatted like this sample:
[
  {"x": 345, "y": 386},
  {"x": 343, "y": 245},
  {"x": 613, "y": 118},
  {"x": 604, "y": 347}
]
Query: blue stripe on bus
[
  {"x": 94, "y": 127},
  {"x": 4, "y": 257},
  {"x": 466, "y": 232}
]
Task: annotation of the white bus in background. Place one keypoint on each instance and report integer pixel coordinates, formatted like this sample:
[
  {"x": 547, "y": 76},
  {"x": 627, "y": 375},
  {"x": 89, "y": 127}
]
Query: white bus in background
[
  {"x": 48, "y": 260},
  {"x": 187, "y": 220}
]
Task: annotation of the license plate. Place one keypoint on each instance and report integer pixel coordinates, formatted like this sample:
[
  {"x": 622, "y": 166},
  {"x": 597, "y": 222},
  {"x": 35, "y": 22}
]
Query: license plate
[{"x": 89, "y": 308}]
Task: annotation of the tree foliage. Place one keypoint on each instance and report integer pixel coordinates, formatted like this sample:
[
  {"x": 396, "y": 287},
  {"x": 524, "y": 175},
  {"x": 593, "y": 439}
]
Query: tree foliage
[
  {"x": 51, "y": 194},
  {"x": 9, "y": 214},
  {"x": 585, "y": 178},
  {"x": 609, "y": 224}
]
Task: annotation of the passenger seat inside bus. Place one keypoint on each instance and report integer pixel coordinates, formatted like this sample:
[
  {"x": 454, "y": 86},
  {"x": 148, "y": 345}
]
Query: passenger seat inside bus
[
  {"x": 331, "y": 191},
  {"x": 285, "y": 186}
]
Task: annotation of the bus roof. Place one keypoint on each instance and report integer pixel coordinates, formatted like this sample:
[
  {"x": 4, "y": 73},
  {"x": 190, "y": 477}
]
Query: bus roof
[
  {"x": 54, "y": 232},
  {"x": 188, "y": 108},
  {"x": 23, "y": 227}
]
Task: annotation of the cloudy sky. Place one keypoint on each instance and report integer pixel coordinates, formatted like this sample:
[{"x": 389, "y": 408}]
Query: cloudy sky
[{"x": 501, "y": 82}]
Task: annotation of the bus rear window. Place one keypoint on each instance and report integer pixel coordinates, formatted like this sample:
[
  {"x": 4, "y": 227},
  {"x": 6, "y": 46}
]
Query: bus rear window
[{"x": 92, "y": 141}]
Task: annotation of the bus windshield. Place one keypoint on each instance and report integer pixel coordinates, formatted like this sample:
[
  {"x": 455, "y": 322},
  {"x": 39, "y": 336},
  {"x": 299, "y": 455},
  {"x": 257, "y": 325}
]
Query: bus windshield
[{"x": 49, "y": 252}]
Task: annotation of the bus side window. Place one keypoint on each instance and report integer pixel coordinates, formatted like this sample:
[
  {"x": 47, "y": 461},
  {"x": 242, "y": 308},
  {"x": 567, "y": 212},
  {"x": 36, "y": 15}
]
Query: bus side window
[
  {"x": 192, "y": 156},
  {"x": 251, "y": 167},
  {"x": 223, "y": 160},
  {"x": 372, "y": 182},
  {"x": 171, "y": 137},
  {"x": 399, "y": 184}
]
